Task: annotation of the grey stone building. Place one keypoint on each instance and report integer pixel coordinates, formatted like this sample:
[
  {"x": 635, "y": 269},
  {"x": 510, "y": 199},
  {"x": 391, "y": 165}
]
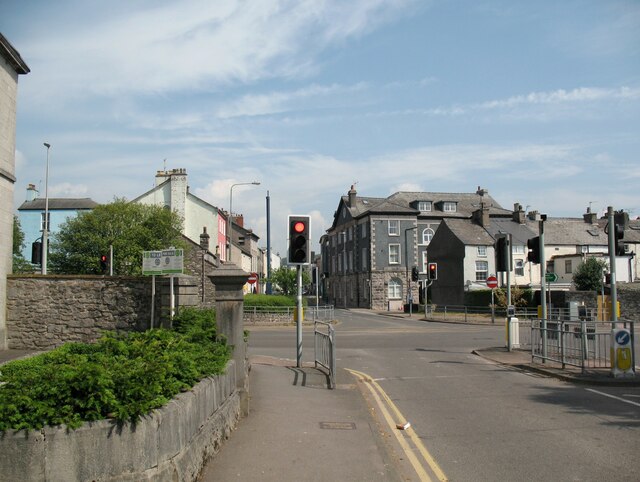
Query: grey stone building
[
  {"x": 373, "y": 244},
  {"x": 11, "y": 66}
]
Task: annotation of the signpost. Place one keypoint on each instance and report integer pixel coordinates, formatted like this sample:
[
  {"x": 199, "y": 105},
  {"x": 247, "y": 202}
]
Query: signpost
[
  {"x": 169, "y": 261},
  {"x": 551, "y": 277},
  {"x": 492, "y": 282}
]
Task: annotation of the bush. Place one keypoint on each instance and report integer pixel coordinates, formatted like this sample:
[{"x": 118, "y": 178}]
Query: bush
[
  {"x": 122, "y": 376},
  {"x": 251, "y": 300}
]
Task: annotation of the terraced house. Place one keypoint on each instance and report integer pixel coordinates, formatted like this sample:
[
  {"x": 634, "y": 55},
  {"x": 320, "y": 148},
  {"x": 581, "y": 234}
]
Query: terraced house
[{"x": 373, "y": 244}]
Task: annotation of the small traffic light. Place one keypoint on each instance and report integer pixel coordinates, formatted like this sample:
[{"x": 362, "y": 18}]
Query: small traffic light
[
  {"x": 299, "y": 240},
  {"x": 621, "y": 219},
  {"x": 104, "y": 263},
  {"x": 414, "y": 273},
  {"x": 433, "y": 271},
  {"x": 501, "y": 254},
  {"x": 36, "y": 252},
  {"x": 534, "y": 249}
]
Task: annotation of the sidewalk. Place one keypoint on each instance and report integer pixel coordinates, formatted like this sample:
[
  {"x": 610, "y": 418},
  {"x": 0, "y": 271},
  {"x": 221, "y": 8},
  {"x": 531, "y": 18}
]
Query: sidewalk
[{"x": 298, "y": 430}]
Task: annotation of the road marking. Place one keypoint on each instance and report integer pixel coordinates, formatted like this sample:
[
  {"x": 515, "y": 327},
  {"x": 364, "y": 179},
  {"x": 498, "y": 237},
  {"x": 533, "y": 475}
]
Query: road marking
[
  {"x": 383, "y": 401},
  {"x": 613, "y": 396}
]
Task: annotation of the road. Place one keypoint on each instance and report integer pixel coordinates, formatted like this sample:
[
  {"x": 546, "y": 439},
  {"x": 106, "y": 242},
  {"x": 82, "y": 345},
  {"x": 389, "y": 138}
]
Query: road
[{"x": 479, "y": 421}]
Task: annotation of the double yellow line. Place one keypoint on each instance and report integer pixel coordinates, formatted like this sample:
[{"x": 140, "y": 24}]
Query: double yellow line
[{"x": 383, "y": 401}]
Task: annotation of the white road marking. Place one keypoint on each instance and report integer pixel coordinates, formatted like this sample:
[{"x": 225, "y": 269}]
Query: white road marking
[{"x": 613, "y": 396}]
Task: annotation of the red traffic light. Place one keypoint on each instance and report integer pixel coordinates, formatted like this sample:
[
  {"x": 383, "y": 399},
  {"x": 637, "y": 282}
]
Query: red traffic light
[
  {"x": 299, "y": 227},
  {"x": 103, "y": 258}
]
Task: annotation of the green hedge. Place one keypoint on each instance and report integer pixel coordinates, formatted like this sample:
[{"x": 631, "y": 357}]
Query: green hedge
[
  {"x": 122, "y": 376},
  {"x": 252, "y": 300}
]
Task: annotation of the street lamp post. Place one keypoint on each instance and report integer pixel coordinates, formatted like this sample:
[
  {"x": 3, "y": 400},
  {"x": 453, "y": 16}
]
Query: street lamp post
[
  {"x": 45, "y": 230},
  {"x": 229, "y": 220}
]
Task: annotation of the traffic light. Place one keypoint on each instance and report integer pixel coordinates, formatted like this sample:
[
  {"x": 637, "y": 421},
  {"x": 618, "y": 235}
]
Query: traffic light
[
  {"x": 36, "y": 252},
  {"x": 433, "y": 271},
  {"x": 534, "y": 249},
  {"x": 621, "y": 219},
  {"x": 299, "y": 240},
  {"x": 501, "y": 254},
  {"x": 414, "y": 273},
  {"x": 104, "y": 263}
]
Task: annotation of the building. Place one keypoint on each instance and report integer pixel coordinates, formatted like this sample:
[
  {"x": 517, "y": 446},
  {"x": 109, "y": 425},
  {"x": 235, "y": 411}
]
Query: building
[
  {"x": 11, "y": 66},
  {"x": 31, "y": 215},
  {"x": 373, "y": 244}
]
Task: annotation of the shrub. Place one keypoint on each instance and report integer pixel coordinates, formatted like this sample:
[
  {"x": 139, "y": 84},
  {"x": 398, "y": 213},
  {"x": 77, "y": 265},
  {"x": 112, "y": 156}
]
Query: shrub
[
  {"x": 122, "y": 376},
  {"x": 252, "y": 300}
]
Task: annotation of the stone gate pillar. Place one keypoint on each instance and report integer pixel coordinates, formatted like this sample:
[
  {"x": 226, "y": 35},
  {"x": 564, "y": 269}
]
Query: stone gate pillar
[{"x": 229, "y": 280}]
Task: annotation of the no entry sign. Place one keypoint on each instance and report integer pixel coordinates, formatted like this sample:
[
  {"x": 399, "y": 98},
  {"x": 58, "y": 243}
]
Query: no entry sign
[
  {"x": 253, "y": 278},
  {"x": 492, "y": 282}
]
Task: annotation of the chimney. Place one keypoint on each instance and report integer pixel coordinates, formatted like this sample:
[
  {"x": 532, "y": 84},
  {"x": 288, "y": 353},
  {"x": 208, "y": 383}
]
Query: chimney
[
  {"x": 238, "y": 219},
  {"x": 352, "y": 196},
  {"x": 204, "y": 239},
  {"x": 534, "y": 216},
  {"x": 589, "y": 217},
  {"x": 518, "y": 213},
  {"x": 32, "y": 193},
  {"x": 481, "y": 216}
]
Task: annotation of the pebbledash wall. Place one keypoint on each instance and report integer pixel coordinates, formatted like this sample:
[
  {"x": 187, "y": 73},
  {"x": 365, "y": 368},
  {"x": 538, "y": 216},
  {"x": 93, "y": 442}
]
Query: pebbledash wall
[
  {"x": 168, "y": 444},
  {"x": 44, "y": 312}
]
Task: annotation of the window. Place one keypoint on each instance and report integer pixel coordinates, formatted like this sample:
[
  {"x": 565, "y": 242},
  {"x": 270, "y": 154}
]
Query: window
[
  {"x": 350, "y": 234},
  {"x": 482, "y": 269},
  {"x": 394, "y": 254},
  {"x": 364, "y": 259},
  {"x": 394, "y": 228},
  {"x": 425, "y": 262},
  {"x": 350, "y": 260},
  {"x": 450, "y": 207},
  {"x": 427, "y": 235},
  {"x": 364, "y": 230},
  {"x": 48, "y": 221},
  {"x": 482, "y": 251},
  {"x": 424, "y": 206},
  {"x": 517, "y": 249},
  {"x": 567, "y": 266},
  {"x": 519, "y": 267},
  {"x": 395, "y": 289}
]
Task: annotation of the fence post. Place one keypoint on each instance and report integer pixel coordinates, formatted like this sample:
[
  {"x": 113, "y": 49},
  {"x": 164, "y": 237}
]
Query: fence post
[{"x": 229, "y": 280}]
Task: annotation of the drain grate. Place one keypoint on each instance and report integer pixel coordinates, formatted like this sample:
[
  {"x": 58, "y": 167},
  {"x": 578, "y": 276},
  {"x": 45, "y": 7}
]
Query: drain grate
[{"x": 338, "y": 425}]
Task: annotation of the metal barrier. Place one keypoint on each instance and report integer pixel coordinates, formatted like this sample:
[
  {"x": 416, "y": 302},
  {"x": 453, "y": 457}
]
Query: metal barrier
[
  {"x": 583, "y": 344},
  {"x": 325, "y": 313},
  {"x": 325, "y": 349}
]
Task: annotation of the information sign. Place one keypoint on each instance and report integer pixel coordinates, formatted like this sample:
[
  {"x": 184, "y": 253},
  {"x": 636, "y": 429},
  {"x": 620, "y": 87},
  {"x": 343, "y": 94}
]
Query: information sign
[{"x": 168, "y": 261}]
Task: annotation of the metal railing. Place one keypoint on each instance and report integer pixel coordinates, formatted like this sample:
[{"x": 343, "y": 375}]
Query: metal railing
[
  {"x": 582, "y": 343},
  {"x": 483, "y": 314},
  {"x": 323, "y": 313},
  {"x": 325, "y": 349}
]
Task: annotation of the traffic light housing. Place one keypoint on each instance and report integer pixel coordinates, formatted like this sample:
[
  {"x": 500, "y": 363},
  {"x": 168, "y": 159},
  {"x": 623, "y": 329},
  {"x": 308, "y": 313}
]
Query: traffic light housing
[
  {"x": 104, "y": 263},
  {"x": 621, "y": 219},
  {"x": 414, "y": 273},
  {"x": 501, "y": 248},
  {"x": 534, "y": 249},
  {"x": 433, "y": 271},
  {"x": 36, "y": 252},
  {"x": 299, "y": 240}
]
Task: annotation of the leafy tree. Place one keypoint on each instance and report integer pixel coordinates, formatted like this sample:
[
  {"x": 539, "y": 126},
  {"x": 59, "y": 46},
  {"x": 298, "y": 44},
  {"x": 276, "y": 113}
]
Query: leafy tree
[
  {"x": 588, "y": 276},
  {"x": 130, "y": 227},
  {"x": 285, "y": 279},
  {"x": 20, "y": 265},
  {"x": 519, "y": 296}
]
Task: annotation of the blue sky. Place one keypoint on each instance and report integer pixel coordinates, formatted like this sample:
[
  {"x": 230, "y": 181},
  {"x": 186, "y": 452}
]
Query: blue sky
[{"x": 538, "y": 102}]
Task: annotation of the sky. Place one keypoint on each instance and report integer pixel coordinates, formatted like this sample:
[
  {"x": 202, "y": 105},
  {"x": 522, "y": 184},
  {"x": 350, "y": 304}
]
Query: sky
[{"x": 537, "y": 102}]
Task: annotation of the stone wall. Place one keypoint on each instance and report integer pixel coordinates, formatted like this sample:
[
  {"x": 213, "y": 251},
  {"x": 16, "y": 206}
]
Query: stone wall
[
  {"x": 200, "y": 264},
  {"x": 172, "y": 443},
  {"x": 44, "y": 312},
  {"x": 629, "y": 298}
]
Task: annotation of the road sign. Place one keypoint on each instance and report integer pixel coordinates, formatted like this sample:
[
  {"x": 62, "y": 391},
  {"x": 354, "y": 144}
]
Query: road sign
[
  {"x": 492, "y": 282},
  {"x": 253, "y": 278},
  {"x": 551, "y": 277},
  {"x": 169, "y": 261}
]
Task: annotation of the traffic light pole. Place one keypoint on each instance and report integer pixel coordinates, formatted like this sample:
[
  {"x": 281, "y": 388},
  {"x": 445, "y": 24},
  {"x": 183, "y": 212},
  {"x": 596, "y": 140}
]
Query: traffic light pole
[
  {"x": 299, "y": 319},
  {"x": 543, "y": 289},
  {"x": 612, "y": 264}
]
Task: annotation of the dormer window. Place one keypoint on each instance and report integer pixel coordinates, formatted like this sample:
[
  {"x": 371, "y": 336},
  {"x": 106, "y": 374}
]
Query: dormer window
[
  {"x": 449, "y": 206},
  {"x": 424, "y": 206}
]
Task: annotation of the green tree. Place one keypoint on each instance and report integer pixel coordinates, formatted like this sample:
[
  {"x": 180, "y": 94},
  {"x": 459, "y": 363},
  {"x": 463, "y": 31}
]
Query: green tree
[
  {"x": 20, "y": 265},
  {"x": 130, "y": 227},
  {"x": 285, "y": 279},
  {"x": 588, "y": 275}
]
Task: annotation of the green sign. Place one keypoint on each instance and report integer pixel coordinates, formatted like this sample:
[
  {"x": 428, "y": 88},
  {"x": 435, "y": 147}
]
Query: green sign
[
  {"x": 551, "y": 277},
  {"x": 169, "y": 261}
]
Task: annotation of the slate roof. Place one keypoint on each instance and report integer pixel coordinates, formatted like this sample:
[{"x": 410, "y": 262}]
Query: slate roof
[
  {"x": 59, "y": 204},
  {"x": 470, "y": 234},
  {"x": 520, "y": 233},
  {"x": 571, "y": 232},
  {"x": 12, "y": 56}
]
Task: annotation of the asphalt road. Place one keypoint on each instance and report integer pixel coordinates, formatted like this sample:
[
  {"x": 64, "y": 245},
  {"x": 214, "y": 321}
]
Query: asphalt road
[{"x": 481, "y": 421}]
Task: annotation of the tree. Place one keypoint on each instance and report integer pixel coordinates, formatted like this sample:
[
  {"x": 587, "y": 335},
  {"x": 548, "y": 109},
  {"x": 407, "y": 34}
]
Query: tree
[
  {"x": 20, "y": 265},
  {"x": 286, "y": 279},
  {"x": 130, "y": 228},
  {"x": 588, "y": 275}
]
